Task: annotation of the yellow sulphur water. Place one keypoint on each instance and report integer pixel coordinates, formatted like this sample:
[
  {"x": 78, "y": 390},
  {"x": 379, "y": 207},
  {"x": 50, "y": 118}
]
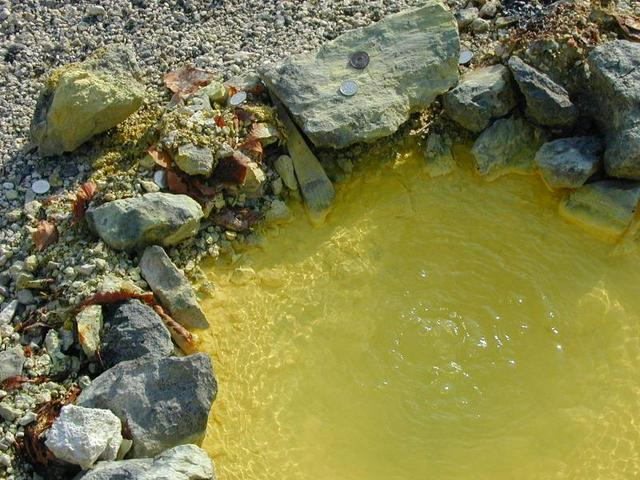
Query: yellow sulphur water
[{"x": 443, "y": 328}]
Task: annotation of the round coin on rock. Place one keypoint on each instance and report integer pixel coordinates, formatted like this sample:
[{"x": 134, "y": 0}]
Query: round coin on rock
[
  {"x": 238, "y": 98},
  {"x": 359, "y": 60},
  {"x": 348, "y": 88},
  {"x": 40, "y": 187},
  {"x": 465, "y": 57}
]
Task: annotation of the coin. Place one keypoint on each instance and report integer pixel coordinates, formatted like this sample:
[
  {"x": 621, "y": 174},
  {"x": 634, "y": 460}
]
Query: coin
[
  {"x": 238, "y": 98},
  {"x": 465, "y": 57},
  {"x": 359, "y": 60},
  {"x": 349, "y": 88},
  {"x": 40, "y": 187}
]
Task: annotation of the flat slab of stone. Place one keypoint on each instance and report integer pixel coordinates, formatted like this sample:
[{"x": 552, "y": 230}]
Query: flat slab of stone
[
  {"x": 164, "y": 401},
  {"x": 172, "y": 288},
  {"x": 154, "y": 218},
  {"x": 507, "y": 146},
  {"x": 569, "y": 162},
  {"x": 604, "y": 208},
  {"x": 548, "y": 104},
  {"x": 413, "y": 58},
  {"x": 482, "y": 95}
]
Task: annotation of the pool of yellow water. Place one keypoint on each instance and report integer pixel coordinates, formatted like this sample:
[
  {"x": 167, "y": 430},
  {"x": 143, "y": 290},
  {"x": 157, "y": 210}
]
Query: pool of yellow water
[{"x": 443, "y": 328}]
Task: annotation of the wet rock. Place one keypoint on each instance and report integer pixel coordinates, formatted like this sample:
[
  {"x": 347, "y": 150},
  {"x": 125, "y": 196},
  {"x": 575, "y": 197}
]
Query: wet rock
[
  {"x": 278, "y": 213},
  {"x": 131, "y": 330},
  {"x": 569, "y": 162},
  {"x": 284, "y": 166},
  {"x": 172, "y": 288},
  {"x": 164, "y": 401},
  {"x": 437, "y": 155},
  {"x": 195, "y": 160},
  {"x": 507, "y": 146},
  {"x": 184, "y": 462},
  {"x": 154, "y": 218},
  {"x": 413, "y": 59},
  {"x": 83, "y": 99},
  {"x": 11, "y": 362},
  {"x": 604, "y": 208},
  {"x": 482, "y": 95},
  {"x": 548, "y": 104},
  {"x": 89, "y": 325},
  {"x": 82, "y": 436}
]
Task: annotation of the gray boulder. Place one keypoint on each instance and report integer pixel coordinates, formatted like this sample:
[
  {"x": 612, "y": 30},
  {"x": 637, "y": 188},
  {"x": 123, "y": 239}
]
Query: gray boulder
[
  {"x": 131, "y": 330},
  {"x": 604, "y": 208},
  {"x": 569, "y": 162},
  {"x": 622, "y": 157},
  {"x": 507, "y": 146},
  {"x": 438, "y": 157},
  {"x": 172, "y": 288},
  {"x": 184, "y": 462},
  {"x": 548, "y": 103},
  {"x": 413, "y": 59},
  {"x": 482, "y": 95},
  {"x": 163, "y": 401},
  {"x": 81, "y": 100},
  {"x": 154, "y": 218},
  {"x": 11, "y": 362}
]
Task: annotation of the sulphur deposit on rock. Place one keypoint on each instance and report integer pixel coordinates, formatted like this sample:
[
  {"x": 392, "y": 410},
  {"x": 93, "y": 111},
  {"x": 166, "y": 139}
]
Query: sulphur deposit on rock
[
  {"x": 569, "y": 162},
  {"x": 172, "y": 288},
  {"x": 83, "y": 99},
  {"x": 161, "y": 218},
  {"x": 413, "y": 58},
  {"x": 84, "y": 435},
  {"x": 604, "y": 208}
]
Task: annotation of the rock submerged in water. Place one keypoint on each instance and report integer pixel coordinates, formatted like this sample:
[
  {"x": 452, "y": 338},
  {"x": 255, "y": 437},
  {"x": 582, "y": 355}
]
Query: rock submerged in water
[
  {"x": 569, "y": 162},
  {"x": 160, "y": 218},
  {"x": 413, "y": 59},
  {"x": 184, "y": 462},
  {"x": 548, "y": 104},
  {"x": 163, "y": 401},
  {"x": 172, "y": 288},
  {"x": 507, "y": 146},
  {"x": 438, "y": 156},
  {"x": 83, "y": 99},
  {"x": 482, "y": 95}
]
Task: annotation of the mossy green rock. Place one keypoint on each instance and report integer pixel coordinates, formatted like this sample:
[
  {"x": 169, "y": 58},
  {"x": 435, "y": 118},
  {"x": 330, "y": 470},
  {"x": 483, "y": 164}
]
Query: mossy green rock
[
  {"x": 83, "y": 99},
  {"x": 413, "y": 58},
  {"x": 155, "y": 218}
]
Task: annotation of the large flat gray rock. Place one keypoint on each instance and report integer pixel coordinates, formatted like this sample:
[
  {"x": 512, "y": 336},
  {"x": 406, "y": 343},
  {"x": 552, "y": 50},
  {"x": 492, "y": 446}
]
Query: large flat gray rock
[
  {"x": 164, "y": 401},
  {"x": 569, "y": 162},
  {"x": 413, "y": 59}
]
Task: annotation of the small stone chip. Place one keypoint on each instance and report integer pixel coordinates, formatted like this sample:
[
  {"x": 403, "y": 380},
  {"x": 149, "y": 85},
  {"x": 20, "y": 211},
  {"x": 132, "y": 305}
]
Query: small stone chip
[
  {"x": 238, "y": 98},
  {"x": 359, "y": 60},
  {"x": 349, "y": 88},
  {"x": 40, "y": 187}
]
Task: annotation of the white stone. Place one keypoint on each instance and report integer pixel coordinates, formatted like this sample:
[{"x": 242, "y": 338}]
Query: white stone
[
  {"x": 82, "y": 436},
  {"x": 40, "y": 187},
  {"x": 8, "y": 312}
]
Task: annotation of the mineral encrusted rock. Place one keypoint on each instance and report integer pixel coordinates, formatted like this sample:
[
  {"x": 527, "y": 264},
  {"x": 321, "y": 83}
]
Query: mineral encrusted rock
[
  {"x": 413, "y": 59},
  {"x": 82, "y": 436},
  {"x": 548, "y": 104},
  {"x": 163, "y": 401},
  {"x": 89, "y": 324},
  {"x": 131, "y": 330},
  {"x": 569, "y": 162},
  {"x": 184, "y": 462},
  {"x": 438, "y": 157},
  {"x": 509, "y": 145},
  {"x": 83, "y": 99},
  {"x": 605, "y": 207},
  {"x": 154, "y": 218},
  {"x": 615, "y": 103},
  {"x": 482, "y": 95},
  {"x": 195, "y": 160},
  {"x": 172, "y": 288},
  {"x": 11, "y": 362}
]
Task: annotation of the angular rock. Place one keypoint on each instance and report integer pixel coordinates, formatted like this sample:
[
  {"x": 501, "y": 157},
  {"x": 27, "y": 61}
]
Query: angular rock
[
  {"x": 11, "y": 362},
  {"x": 622, "y": 156},
  {"x": 195, "y": 160},
  {"x": 8, "y": 312},
  {"x": 131, "y": 330},
  {"x": 569, "y": 162},
  {"x": 81, "y": 100},
  {"x": 164, "y": 401},
  {"x": 284, "y": 167},
  {"x": 254, "y": 180},
  {"x": 604, "y": 208},
  {"x": 81, "y": 436},
  {"x": 89, "y": 324},
  {"x": 548, "y": 104},
  {"x": 507, "y": 146},
  {"x": 172, "y": 288},
  {"x": 466, "y": 16},
  {"x": 413, "y": 59},
  {"x": 184, "y": 462},
  {"x": 154, "y": 218},
  {"x": 278, "y": 213},
  {"x": 438, "y": 157},
  {"x": 482, "y": 95}
]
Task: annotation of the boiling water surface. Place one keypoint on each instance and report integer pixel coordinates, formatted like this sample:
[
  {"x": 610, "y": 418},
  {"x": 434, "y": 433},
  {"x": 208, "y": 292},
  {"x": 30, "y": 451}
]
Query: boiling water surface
[{"x": 442, "y": 328}]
